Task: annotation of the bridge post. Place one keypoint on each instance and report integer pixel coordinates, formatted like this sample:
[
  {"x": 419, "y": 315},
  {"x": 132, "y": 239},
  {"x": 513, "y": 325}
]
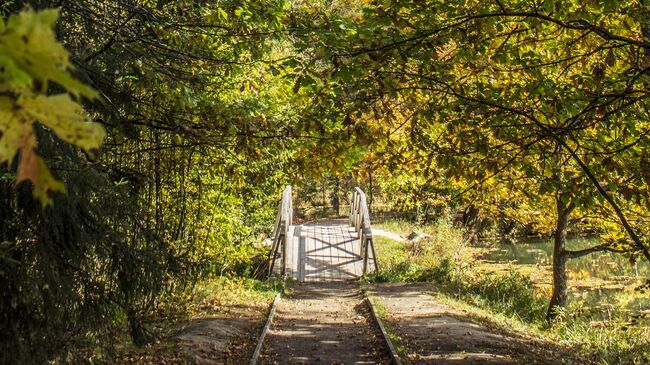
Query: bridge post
[
  {"x": 360, "y": 220},
  {"x": 283, "y": 222}
]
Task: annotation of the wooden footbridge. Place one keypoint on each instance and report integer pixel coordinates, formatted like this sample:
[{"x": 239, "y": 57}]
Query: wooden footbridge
[
  {"x": 327, "y": 250},
  {"x": 328, "y": 320}
]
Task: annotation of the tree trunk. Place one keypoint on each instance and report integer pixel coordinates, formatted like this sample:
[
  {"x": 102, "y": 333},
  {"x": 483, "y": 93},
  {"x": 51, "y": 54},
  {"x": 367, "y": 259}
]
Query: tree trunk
[
  {"x": 471, "y": 221},
  {"x": 560, "y": 292},
  {"x": 336, "y": 202},
  {"x": 370, "y": 195},
  {"x": 139, "y": 334}
]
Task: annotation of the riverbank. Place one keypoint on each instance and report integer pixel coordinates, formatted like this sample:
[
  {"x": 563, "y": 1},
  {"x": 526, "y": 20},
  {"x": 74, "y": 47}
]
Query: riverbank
[{"x": 516, "y": 294}]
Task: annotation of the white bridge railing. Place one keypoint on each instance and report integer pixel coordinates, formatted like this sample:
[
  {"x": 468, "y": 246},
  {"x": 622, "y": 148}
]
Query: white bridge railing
[
  {"x": 283, "y": 221},
  {"x": 360, "y": 220}
]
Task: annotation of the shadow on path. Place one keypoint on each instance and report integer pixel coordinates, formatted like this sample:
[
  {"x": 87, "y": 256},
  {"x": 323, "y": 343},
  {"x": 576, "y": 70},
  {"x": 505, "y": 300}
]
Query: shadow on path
[
  {"x": 323, "y": 323},
  {"x": 435, "y": 333}
]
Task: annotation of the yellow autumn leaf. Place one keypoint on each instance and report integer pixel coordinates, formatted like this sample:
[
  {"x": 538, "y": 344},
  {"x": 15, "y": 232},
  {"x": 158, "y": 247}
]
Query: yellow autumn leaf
[
  {"x": 65, "y": 117},
  {"x": 30, "y": 57},
  {"x": 30, "y": 41},
  {"x": 16, "y": 133},
  {"x": 33, "y": 168}
]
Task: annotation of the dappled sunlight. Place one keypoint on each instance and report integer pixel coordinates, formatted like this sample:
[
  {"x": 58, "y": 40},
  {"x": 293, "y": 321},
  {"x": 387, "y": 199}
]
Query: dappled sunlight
[
  {"x": 435, "y": 332},
  {"x": 323, "y": 323}
]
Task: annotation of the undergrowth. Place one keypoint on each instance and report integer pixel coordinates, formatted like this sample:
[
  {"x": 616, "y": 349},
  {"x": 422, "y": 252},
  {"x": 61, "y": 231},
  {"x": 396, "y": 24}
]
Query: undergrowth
[{"x": 217, "y": 296}]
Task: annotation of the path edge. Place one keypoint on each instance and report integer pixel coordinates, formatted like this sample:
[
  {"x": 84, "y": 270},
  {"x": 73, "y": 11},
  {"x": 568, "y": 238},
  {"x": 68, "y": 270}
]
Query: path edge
[
  {"x": 395, "y": 359},
  {"x": 265, "y": 330}
]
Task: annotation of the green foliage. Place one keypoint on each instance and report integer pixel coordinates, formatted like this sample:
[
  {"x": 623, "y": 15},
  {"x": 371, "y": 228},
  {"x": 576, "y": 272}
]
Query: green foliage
[
  {"x": 496, "y": 104},
  {"x": 185, "y": 183},
  {"x": 511, "y": 294},
  {"x": 224, "y": 290},
  {"x": 396, "y": 272}
]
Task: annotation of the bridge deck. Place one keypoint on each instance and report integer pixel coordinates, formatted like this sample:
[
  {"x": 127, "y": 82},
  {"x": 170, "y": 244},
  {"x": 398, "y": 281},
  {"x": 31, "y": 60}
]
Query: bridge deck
[{"x": 324, "y": 251}]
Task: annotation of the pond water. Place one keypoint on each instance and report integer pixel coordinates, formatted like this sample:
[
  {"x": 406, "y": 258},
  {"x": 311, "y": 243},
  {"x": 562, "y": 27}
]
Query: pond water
[
  {"x": 598, "y": 280},
  {"x": 601, "y": 265}
]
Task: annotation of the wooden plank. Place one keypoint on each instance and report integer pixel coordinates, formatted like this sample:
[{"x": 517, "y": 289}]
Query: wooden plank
[
  {"x": 265, "y": 330},
  {"x": 342, "y": 258},
  {"x": 292, "y": 260},
  {"x": 310, "y": 246},
  {"x": 301, "y": 253},
  {"x": 324, "y": 252},
  {"x": 328, "y": 243},
  {"x": 393, "y": 353}
]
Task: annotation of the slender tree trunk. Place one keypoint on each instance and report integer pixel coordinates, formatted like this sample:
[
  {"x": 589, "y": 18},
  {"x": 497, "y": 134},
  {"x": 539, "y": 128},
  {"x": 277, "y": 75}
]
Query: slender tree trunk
[
  {"x": 645, "y": 26},
  {"x": 336, "y": 202},
  {"x": 370, "y": 196},
  {"x": 560, "y": 291},
  {"x": 323, "y": 193},
  {"x": 158, "y": 186},
  {"x": 139, "y": 334}
]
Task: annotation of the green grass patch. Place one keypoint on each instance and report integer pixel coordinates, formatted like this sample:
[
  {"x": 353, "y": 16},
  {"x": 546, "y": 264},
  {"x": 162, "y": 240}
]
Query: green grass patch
[
  {"x": 390, "y": 331},
  {"x": 221, "y": 292}
]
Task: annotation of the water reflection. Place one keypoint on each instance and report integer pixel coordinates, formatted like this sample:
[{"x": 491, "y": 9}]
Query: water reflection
[
  {"x": 601, "y": 281},
  {"x": 601, "y": 265}
]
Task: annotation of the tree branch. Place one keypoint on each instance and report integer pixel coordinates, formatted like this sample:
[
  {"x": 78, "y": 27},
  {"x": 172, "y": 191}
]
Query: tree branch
[
  {"x": 558, "y": 137},
  {"x": 579, "y": 253}
]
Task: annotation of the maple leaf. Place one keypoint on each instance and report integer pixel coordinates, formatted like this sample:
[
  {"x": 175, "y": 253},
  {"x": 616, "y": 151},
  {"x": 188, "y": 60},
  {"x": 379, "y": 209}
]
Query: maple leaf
[
  {"x": 30, "y": 57},
  {"x": 33, "y": 168}
]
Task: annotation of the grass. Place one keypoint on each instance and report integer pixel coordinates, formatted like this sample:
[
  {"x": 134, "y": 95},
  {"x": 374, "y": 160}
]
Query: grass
[
  {"x": 503, "y": 293},
  {"x": 401, "y": 227},
  {"x": 390, "y": 331},
  {"x": 220, "y": 293}
]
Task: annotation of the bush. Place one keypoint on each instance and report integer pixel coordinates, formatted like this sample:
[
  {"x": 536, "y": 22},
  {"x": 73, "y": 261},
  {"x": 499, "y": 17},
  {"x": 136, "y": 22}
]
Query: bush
[
  {"x": 397, "y": 272},
  {"x": 508, "y": 293}
]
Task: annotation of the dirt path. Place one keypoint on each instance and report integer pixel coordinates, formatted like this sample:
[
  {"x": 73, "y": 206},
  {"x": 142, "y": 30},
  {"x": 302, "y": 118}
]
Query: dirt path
[
  {"x": 219, "y": 340},
  {"x": 323, "y": 323},
  {"x": 433, "y": 333},
  {"x": 392, "y": 235},
  {"x": 223, "y": 333}
]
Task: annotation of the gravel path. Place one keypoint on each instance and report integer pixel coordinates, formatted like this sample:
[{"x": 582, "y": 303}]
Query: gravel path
[{"x": 323, "y": 323}]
